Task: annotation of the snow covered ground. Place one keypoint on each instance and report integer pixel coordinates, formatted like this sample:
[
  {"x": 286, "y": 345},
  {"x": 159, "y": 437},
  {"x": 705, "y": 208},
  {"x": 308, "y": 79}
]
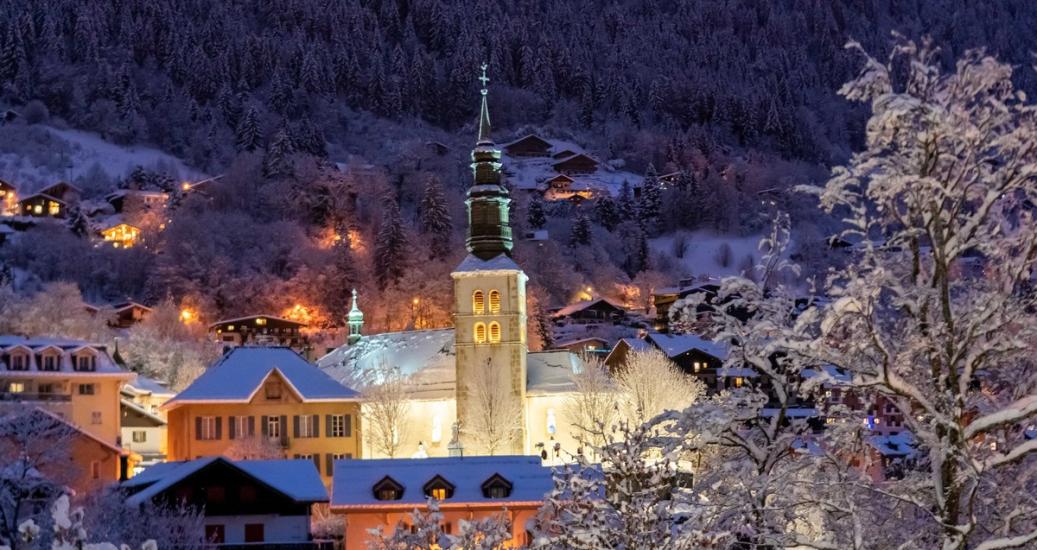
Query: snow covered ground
[
  {"x": 38, "y": 155},
  {"x": 704, "y": 252}
]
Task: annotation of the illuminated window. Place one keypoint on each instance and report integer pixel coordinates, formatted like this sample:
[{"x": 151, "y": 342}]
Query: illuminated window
[
  {"x": 480, "y": 333},
  {"x": 53, "y": 208},
  {"x": 439, "y": 488},
  {"x": 739, "y": 381},
  {"x": 16, "y": 387},
  {"x": 494, "y": 301},
  {"x": 478, "y": 303},
  {"x": 261, "y": 321},
  {"x": 495, "y": 332},
  {"x": 37, "y": 209},
  {"x": 697, "y": 366}
]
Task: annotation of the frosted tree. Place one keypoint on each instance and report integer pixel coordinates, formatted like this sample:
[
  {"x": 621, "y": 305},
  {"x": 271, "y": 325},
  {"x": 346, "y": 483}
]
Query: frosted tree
[
  {"x": 649, "y": 204},
  {"x": 494, "y": 417},
  {"x": 248, "y": 135},
  {"x": 626, "y": 205},
  {"x": 435, "y": 218},
  {"x": 390, "y": 249},
  {"x": 35, "y": 454},
  {"x": 535, "y": 215},
  {"x": 936, "y": 313},
  {"x": 606, "y": 211},
  {"x": 386, "y": 409},
  {"x": 593, "y": 405},
  {"x": 426, "y": 531},
  {"x": 107, "y": 516},
  {"x": 649, "y": 383},
  {"x": 581, "y": 231},
  {"x": 165, "y": 347},
  {"x": 56, "y": 310},
  {"x": 278, "y": 159}
]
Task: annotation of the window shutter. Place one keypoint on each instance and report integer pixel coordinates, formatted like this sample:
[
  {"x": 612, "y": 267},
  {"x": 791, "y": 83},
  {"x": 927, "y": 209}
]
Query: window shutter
[
  {"x": 295, "y": 426},
  {"x": 316, "y": 462},
  {"x": 230, "y": 427},
  {"x": 263, "y": 426},
  {"x": 327, "y": 432},
  {"x": 348, "y": 423},
  {"x": 330, "y": 460},
  {"x": 197, "y": 427},
  {"x": 284, "y": 429},
  {"x": 219, "y": 426},
  {"x": 316, "y": 430}
]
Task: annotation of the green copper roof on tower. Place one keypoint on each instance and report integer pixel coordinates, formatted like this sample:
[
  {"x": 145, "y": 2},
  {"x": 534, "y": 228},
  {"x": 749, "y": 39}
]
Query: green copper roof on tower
[{"x": 489, "y": 233}]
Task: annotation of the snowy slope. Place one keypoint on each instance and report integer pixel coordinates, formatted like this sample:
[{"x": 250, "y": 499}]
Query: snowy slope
[
  {"x": 38, "y": 155},
  {"x": 701, "y": 257}
]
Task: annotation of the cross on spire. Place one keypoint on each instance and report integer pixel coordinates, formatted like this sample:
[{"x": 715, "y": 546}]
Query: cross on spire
[{"x": 484, "y": 79}]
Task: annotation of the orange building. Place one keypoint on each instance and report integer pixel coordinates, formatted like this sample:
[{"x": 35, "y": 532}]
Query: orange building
[
  {"x": 379, "y": 494},
  {"x": 265, "y": 402}
]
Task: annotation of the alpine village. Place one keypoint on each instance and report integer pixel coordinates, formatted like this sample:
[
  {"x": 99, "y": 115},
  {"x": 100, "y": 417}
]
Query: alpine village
[{"x": 719, "y": 275}]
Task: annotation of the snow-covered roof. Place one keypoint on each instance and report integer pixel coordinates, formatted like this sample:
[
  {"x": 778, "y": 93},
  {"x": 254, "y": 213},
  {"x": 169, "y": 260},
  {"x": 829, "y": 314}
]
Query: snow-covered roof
[
  {"x": 355, "y": 479},
  {"x": 143, "y": 384},
  {"x": 675, "y": 344},
  {"x": 239, "y": 374},
  {"x": 580, "y": 306},
  {"x": 251, "y": 317},
  {"x": 296, "y": 479},
  {"x": 44, "y": 195},
  {"x": 156, "y": 421},
  {"x": 901, "y": 444},
  {"x": 736, "y": 371},
  {"x": 575, "y": 341},
  {"x": 103, "y": 363},
  {"x": 425, "y": 356},
  {"x": 551, "y": 371},
  {"x": 472, "y": 263},
  {"x": 5, "y": 229}
]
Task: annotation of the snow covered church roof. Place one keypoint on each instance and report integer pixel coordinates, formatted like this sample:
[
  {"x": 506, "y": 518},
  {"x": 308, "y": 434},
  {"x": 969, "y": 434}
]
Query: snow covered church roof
[
  {"x": 500, "y": 262},
  {"x": 551, "y": 371},
  {"x": 426, "y": 356},
  {"x": 528, "y": 481},
  {"x": 239, "y": 374},
  {"x": 296, "y": 479}
]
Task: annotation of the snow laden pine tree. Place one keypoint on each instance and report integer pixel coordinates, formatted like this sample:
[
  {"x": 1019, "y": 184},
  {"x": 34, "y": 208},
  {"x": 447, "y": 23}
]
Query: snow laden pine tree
[
  {"x": 278, "y": 159},
  {"x": 435, "y": 218},
  {"x": 390, "y": 247},
  {"x": 607, "y": 212},
  {"x": 649, "y": 204},
  {"x": 248, "y": 135},
  {"x": 937, "y": 312},
  {"x": 581, "y": 231},
  {"x": 535, "y": 215}
]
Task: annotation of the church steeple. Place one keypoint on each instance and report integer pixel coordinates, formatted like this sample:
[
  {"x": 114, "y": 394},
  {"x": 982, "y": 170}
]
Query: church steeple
[
  {"x": 356, "y": 322},
  {"x": 489, "y": 232}
]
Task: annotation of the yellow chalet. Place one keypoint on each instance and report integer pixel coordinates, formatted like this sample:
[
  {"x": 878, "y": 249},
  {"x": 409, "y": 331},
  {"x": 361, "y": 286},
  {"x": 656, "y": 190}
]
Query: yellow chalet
[
  {"x": 263, "y": 403},
  {"x": 76, "y": 381}
]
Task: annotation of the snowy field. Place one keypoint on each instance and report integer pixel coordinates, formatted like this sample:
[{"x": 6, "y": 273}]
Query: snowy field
[
  {"x": 34, "y": 156},
  {"x": 705, "y": 253}
]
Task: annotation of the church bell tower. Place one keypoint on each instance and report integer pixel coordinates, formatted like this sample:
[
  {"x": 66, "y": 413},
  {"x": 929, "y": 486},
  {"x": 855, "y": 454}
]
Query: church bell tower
[{"x": 489, "y": 298}]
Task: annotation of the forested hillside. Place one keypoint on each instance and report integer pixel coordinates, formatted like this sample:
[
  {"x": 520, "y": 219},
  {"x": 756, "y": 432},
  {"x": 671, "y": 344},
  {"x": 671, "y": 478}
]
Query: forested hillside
[{"x": 281, "y": 95}]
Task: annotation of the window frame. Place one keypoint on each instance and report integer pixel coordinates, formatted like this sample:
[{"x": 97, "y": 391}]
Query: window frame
[
  {"x": 208, "y": 428},
  {"x": 478, "y": 302},
  {"x": 493, "y": 333},
  {"x": 338, "y": 425},
  {"x": 494, "y": 301},
  {"x": 479, "y": 333}
]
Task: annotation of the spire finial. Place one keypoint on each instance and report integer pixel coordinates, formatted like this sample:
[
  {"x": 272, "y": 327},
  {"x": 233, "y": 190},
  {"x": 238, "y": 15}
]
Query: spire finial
[
  {"x": 355, "y": 319},
  {"x": 484, "y": 111}
]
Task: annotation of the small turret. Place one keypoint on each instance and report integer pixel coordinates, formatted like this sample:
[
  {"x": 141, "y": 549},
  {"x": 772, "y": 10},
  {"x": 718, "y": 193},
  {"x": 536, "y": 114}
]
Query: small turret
[{"x": 356, "y": 322}]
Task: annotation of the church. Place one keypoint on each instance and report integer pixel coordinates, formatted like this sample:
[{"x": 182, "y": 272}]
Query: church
[{"x": 461, "y": 380}]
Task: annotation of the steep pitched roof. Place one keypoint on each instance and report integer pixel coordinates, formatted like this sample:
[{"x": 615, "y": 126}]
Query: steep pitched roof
[
  {"x": 251, "y": 317},
  {"x": 296, "y": 479},
  {"x": 500, "y": 262},
  {"x": 239, "y": 374},
  {"x": 580, "y": 306},
  {"x": 105, "y": 365},
  {"x": 675, "y": 344},
  {"x": 355, "y": 479},
  {"x": 425, "y": 356}
]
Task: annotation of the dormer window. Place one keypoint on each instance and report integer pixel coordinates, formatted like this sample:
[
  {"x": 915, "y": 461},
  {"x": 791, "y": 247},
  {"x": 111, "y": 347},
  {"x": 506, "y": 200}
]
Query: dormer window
[
  {"x": 19, "y": 361},
  {"x": 85, "y": 362},
  {"x": 478, "y": 303},
  {"x": 439, "y": 488},
  {"x": 388, "y": 489},
  {"x": 50, "y": 362},
  {"x": 496, "y": 487},
  {"x": 494, "y": 301}
]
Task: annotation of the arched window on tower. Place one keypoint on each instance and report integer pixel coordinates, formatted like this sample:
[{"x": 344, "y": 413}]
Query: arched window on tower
[
  {"x": 478, "y": 302},
  {"x": 494, "y": 301},
  {"x": 494, "y": 332},
  {"x": 480, "y": 333}
]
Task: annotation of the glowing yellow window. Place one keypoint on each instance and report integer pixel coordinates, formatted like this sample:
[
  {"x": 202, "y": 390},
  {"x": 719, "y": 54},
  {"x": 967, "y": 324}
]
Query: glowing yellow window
[
  {"x": 38, "y": 208},
  {"x": 480, "y": 333},
  {"x": 494, "y": 301},
  {"x": 494, "y": 333},
  {"x": 439, "y": 493},
  {"x": 54, "y": 208},
  {"x": 739, "y": 381},
  {"x": 260, "y": 321},
  {"x": 478, "y": 302}
]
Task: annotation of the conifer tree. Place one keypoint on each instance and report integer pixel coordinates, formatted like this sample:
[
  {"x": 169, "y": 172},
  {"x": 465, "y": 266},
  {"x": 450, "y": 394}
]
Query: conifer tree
[
  {"x": 248, "y": 134},
  {"x": 278, "y": 159},
  {"x": 390, "y": 247},
  {"x": 581, "y": 231},
  {"x": 650, "y": 203},
  {"x": 435, "y": 219},
  {"x": 535, "y": 215},
  {"x": 626, "y": 207},
  {"x": 77, "y": 222},
  {"x": 607, "y": 212}
]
